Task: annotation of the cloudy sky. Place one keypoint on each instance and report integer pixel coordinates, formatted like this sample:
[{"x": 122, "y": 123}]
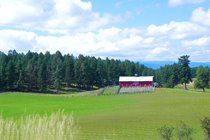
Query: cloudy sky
[{"x": 139, "y": 30}]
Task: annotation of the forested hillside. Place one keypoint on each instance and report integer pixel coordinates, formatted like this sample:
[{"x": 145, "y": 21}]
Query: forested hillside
[
  {"x": 181, "y": 73},
  {"x": 43, "y": 72},
  {"x": 40, "y": 72}
]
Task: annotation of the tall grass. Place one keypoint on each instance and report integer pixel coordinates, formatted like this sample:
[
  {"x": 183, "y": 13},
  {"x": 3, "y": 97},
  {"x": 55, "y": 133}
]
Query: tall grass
[{"x": 57, "y": 126}]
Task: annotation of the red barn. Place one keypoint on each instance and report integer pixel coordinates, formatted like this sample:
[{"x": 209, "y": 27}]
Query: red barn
[{"x": 136, "y": 81}]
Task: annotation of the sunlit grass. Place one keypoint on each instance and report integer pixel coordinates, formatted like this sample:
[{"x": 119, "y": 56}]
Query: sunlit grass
[
  {"x": 57, "y": 126},
  {"x": 120, "y": 117}
]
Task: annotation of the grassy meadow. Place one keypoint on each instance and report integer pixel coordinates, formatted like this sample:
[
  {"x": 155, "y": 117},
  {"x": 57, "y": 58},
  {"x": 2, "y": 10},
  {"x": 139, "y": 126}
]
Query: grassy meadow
[
  {"x": 120, "y": 117},
  {"x": 57, "y": 126}
]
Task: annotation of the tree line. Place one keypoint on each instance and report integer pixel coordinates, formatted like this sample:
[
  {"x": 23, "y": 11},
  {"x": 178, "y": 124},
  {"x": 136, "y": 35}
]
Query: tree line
[
  {"x": 42, "y": 72},
  {"x": 180, "y": 73}
]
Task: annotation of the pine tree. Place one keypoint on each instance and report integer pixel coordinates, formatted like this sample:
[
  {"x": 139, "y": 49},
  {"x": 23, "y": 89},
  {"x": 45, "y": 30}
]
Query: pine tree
[
  {"x": 185, "y": 72},
  {"x": 10, "y": 75},
  {"x": 57, "y": 77},
  {"x": 20, "y": 73},
  {"x": 29, "y": 76},
  {"x": 42, "y": 84},
  {"x": 69, "y": 69},
  {"x": 79, "y": 71},
  {"x": 21, "y": 81},
  {"x": 49, "y": 74},
  {"x": 100, "y": 74},
  {"x": 2, "y": 71}
]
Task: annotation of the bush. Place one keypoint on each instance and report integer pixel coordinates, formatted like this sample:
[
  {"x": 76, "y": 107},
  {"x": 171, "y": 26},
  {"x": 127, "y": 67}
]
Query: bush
[
  {"x": 184, "y": 132},
  {"x": 205, "y": 123},
  {"x": 166, "y": 132}
]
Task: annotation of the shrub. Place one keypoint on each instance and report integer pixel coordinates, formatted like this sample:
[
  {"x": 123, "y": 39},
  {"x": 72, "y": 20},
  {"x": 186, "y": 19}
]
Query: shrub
[
  {"x": 184, "y": 132},
  {"x": 205, "y": 123},
  {"x": 166, "y": 132}
]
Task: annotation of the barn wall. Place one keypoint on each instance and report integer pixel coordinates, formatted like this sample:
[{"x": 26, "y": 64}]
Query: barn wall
[{"x": 136, "y": 84}]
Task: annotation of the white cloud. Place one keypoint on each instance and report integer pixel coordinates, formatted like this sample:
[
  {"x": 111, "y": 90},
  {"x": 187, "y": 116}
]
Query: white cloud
[
  {"x": 159, "y": 50},
  {"x": 177, "y": 30},
  {"x": 54, "y": 16},
  {"x": 173, "y": 3},
  {"x": 83, "y": 31},
  {"x": 16, "y": 40},
  {"x": 133, "y": 43},
  {"x": 203, "y": 41},
  {"x": 201, "y": 16},
  {"x": 124, "y": 43}
]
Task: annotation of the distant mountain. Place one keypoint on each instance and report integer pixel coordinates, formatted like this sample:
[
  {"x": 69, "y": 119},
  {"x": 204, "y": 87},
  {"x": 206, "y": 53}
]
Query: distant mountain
[
  {"x": 196, "y": 64},
  {"x": 158, "y": 64}
]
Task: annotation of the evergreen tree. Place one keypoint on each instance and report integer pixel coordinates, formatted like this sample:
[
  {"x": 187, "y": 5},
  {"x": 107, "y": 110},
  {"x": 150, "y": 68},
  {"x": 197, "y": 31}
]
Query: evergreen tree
[
  {"x": 57, "y": 70},
  {"x": 193, "y": 72},
  {"x": 185, "y": 72},
  {"x": 175, "y": 74},
  {"x": 100, "y": 73},
  {"x": 49, "y": 74},
  {"x": 57, "y": 77},
  {"x": 19, "y": 81},
  {"x": 10, "y": 75},
  {"x": 3, "y": 64},
  {"x": 202, "y": 78},
  {"x": 69, "y": 69},
  {"x": 168, "y": 76},
  {"x": 79, "y": 70},
  {"x": 38, "y": 72},
  {"x": 32, "y": 72},
  {"x": 20, "y": 84},
  {"x": 93, "y": 74},
  {"x": 42, "y": 79},
  {"x": 86, "y": 72},
  {"x": 68, "y": 78}
]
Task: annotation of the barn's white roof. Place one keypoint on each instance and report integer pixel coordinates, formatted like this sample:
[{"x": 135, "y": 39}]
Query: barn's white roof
[{"x": 135, "y": 78}]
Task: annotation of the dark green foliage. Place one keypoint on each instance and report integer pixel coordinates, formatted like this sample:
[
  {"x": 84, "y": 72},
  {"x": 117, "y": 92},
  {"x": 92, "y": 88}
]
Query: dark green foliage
[
  {"x": 57, "y": 67},
  {"x": 171, "y": 75},
  {"x": 69, "y": 69},
  {"x": 193, "y": 72},
  {"x": 166, "y": 132},
  {"x": 20, "y": 84},
  {"x": 43, "y": 72},
  {"x": 184, "y": 72},
  {"x": 184, "y": 132},
  {"x": 79, "y": 70},
  {"x": 100, "y": 74},
  {"x": 205, "y": 123},
  {"x": 202, "y": 78},
  {"x": 3, "y": 63},
  {"x": 168, "y": 76},
  {"x": 10, "y": 74}
]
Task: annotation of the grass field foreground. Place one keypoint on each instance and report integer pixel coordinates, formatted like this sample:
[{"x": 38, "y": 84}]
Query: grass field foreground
[
  {"x": 57, "y": 126},
  {"x": 120, "y": 117}
]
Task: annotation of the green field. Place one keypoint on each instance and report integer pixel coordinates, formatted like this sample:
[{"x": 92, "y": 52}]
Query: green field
[{"x": 122, "y": 117}]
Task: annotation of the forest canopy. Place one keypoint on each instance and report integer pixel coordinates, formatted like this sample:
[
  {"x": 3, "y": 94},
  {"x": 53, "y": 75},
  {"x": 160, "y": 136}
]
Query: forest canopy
[
  {"x": 39, "y": 72},
  {"x": 42, "y": 72}
]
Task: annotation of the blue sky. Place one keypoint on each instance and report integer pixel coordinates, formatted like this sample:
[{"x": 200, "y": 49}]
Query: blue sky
[
  {"x": 139, "y": 30},
  {"x": 146, "y": 12}
]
